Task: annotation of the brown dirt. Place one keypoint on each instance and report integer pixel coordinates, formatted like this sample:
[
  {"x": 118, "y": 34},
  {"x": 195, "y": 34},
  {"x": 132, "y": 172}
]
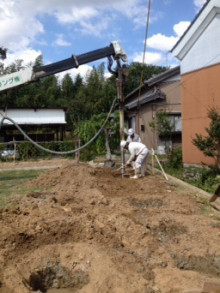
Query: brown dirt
[{"x": 95, "y": 232}]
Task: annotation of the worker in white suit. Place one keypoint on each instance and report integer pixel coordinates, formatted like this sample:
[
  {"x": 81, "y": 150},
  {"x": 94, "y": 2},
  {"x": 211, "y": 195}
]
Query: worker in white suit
[
  {"x": 132, "y": 136},
  {"x": 139, "y": 151}
]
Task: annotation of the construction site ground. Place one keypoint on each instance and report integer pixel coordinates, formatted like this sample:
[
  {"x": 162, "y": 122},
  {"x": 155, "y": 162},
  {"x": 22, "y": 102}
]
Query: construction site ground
[{"x": 91, "y": 231}]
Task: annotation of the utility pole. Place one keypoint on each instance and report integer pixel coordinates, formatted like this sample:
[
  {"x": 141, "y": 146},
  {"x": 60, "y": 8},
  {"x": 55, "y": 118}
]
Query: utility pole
[{"x": 119, "y": 81}]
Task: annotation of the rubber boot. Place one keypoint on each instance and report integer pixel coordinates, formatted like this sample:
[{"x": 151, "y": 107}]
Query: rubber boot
[
  {"x": 143, "y": 171},
  {"x": 133, "y": 165},
  {"x": 137, "y": 174}
]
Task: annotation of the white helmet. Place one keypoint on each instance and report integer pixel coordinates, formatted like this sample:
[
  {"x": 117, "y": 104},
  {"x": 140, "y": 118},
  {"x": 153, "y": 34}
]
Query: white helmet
[
  {"x": 123, "y": 143},
  {"x": 130, "y": 131}
]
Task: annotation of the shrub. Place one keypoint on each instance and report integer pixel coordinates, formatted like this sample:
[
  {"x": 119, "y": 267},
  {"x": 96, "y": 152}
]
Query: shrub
[
  {"x": 175, "y": 159},
  {"x": 28, "y": 151}
]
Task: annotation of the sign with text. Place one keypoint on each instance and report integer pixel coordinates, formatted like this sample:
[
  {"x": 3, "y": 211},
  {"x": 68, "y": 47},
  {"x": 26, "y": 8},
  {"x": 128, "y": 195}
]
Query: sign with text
[{"x": 16, "y": 78}]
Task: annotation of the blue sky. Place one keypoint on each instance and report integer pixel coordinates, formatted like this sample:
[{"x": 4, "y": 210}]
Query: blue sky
[{"x": 59, "y": 28}]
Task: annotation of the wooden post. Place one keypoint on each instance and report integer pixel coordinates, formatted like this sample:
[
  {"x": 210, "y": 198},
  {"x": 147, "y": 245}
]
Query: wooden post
[
  {"x": 77, "y": 155},
  {"x": 164, "y": 174},
  {"x": 152, "y": 160},
  {"x": 14, "y": 149}
]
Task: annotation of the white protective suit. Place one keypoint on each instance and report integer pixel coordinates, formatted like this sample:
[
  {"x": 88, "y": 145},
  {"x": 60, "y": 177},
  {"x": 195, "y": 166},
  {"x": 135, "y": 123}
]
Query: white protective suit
[
  {"x": 135, "y": 138},
  {"x": 139, "y": 151}
]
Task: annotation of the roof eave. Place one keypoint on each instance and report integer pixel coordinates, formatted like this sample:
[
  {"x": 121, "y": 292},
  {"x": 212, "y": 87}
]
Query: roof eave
[
  {"x": 163, "y": 76},
  {"x": 195, "y": 29}
]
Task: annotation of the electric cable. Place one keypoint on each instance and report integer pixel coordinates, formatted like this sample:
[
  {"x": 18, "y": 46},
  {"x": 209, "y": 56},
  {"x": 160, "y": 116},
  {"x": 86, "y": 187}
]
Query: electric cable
[
  {"x": 57, "y": 152},
  {"x": 143, "y": 61}
]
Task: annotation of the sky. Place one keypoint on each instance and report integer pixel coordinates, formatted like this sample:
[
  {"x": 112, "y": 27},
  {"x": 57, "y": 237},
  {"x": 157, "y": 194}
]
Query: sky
[{"x": 58, "y": 29}]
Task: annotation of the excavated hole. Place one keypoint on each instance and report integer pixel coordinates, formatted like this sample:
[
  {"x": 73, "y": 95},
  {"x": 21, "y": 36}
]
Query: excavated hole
[
  {"x": 208, "y": 265},
  {"x": 58, "y": 277},
  {"x": 154, "y": 203},
  {"x": 168, "y": 230}
]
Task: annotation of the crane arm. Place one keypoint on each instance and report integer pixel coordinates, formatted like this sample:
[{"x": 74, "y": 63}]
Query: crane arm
[{"x": 31, "y": 74}]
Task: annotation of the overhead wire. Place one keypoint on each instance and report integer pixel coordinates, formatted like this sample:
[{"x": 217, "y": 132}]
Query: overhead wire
[
  {"x": 182, "y": 83},
  {"x": 143, "y": 60}
]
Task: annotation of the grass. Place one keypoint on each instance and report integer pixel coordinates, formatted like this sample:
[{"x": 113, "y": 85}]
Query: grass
[
  {"x": 205, "y": 179},
  {"x": 12, "y": 184}
]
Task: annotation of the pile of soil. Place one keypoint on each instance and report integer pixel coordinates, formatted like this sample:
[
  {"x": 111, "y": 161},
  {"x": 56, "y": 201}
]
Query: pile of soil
[{"x": 91, "y": 230}]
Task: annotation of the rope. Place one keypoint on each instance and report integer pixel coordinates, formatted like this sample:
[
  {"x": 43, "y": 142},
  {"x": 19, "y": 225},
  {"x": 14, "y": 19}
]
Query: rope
[{"x": 56, "y": 152}]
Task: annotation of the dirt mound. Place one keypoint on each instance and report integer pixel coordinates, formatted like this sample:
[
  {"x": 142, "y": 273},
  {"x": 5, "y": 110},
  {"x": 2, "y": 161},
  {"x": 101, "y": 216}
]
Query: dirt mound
[{"x": 92, "y": 231}]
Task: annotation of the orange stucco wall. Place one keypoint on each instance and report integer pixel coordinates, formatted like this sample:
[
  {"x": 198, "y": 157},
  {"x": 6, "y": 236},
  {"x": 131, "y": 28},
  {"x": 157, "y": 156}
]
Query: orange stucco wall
[{"x": 200, "y": 90}]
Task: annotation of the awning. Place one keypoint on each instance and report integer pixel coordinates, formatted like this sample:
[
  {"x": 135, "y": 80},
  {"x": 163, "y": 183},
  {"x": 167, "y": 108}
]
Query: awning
[
  {"x": 34, "y": 116},
  {"x": 145, "y": 98}
]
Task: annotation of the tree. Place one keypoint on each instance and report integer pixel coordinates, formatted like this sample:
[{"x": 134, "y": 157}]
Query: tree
[
  {"x": 3, "y": 52},
  {"x": 92, "y": 97},
  {"x": 38, "y": 61},
  {"x": 67, "y": 87},
  {"x": 210, "y": 144},
  {"x": 136, "y": 70},
  {"x": 107, "y": 140}
]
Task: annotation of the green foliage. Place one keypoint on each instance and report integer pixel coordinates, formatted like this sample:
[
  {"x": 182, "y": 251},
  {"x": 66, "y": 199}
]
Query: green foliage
[
  {"x": 209, "y": 175},
  {"x": 135, "y": 71},
  {"x": 3, "y": 52},
  {"x": 13, "y": 185},
  {"x": 204, "y": 178},
  {"x": 175, "y": 159},
  {"x": 28, "y": 151},
  {"x": 86, "y": 130},
  {"x": 162, "y": 124},
  {"x": 88, "y": 153},
  {"x": 210, "y": 144},
  {"x": 38, "y": 61}
]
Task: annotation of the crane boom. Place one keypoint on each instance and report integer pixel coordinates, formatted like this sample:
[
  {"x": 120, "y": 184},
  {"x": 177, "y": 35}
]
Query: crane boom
[{"x": 31, "y": 74}]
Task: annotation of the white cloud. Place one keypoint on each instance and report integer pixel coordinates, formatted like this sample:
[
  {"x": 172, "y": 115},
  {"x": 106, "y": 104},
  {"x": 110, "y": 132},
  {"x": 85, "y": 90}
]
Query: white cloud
[
  {"x": 22, "y": 27},
  {"x": 18, "y": 28},
  {"x": 28, "y": 55},
  {"x": 21, "y": 20},
  {"x": 161, "y": 42},
  {"x": 61, "y": 42},
  {"x": 155, "y": 58},
  {"x": 181, "y": 27},
  {"x": 76, "y": 15},
  {"x": 199, "y": 3},
  {"x": 93, "y": 28}
]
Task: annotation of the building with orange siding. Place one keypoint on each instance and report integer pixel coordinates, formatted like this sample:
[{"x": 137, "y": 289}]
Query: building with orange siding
[{"x": 199, "y": 52}]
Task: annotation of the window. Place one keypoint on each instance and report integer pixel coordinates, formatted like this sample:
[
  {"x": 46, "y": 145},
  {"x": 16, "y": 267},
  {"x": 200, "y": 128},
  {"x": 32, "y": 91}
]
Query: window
[{"x": 176, "y": 121}]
